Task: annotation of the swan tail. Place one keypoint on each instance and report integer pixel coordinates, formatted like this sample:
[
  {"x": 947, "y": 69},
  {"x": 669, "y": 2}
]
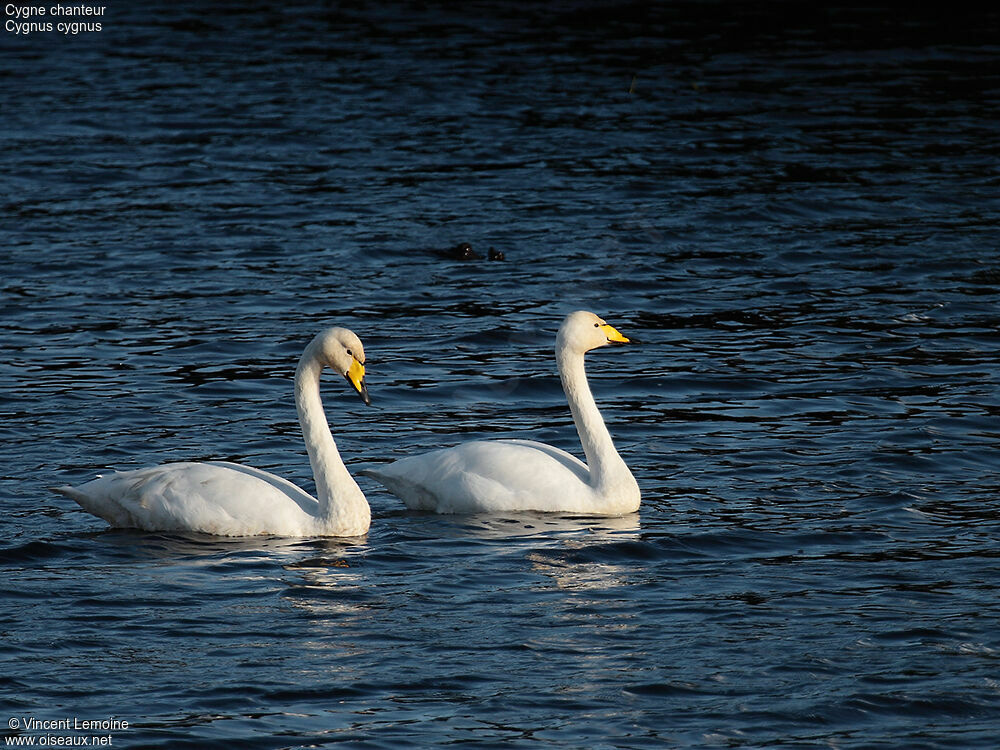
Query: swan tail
[
  {"x": 70, "y": 492},
  {"x": 413, "y": 495},
  {"x": 105, "y": 509}
]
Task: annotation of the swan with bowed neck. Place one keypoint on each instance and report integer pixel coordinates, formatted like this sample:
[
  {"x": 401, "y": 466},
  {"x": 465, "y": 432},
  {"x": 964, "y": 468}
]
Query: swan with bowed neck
[
  {"x": 229, "y": 499},
  {"x": 485, "y": 476}
]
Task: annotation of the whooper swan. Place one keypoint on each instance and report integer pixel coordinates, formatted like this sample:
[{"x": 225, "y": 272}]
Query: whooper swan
[
  {"x": 230, "y": 499},
  {"x": 485, "y": 476}
]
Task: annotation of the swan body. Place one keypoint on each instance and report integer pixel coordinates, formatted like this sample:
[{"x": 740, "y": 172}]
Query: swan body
[
  {"x": 488, "y": 476},
  {"x": 229, "y": 499}
]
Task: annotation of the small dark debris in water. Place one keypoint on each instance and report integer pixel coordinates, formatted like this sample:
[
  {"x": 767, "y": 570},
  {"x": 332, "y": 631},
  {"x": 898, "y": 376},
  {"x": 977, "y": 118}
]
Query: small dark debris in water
[
  {"x": 750, "y": 597},
  {"x": 461, "y": 251},
  {"x": 986, "y": 277}
]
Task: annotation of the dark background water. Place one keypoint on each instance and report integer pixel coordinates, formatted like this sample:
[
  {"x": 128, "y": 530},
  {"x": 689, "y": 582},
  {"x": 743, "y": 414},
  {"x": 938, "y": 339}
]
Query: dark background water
[{"x": 796, "y": 210}]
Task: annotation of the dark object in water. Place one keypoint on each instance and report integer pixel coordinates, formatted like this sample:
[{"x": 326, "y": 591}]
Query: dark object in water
[
  {"x": 461, "y": 251},
  {"x": 464, "y": 251}
]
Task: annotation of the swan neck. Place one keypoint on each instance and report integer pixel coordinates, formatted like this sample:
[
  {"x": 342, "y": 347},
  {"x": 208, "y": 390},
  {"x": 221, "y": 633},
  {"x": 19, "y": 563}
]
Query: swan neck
[
  {"x": 602, "y": 458},
  {"x": 340, "y": 498}
]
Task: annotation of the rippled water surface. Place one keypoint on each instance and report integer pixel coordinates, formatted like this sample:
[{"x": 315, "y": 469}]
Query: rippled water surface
[{"x": 796, "y": 211}]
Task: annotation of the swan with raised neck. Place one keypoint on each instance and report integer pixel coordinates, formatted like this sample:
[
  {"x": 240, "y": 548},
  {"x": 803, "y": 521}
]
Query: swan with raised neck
[
  {"x": 229, "y": 499},
  {"x": 518, "y": 475}
]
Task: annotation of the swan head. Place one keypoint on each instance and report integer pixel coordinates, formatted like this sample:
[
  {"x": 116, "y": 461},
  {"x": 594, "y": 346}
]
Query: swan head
[
  {"x": 582, "y": 331},
  {"x": 341, "y": 350}
]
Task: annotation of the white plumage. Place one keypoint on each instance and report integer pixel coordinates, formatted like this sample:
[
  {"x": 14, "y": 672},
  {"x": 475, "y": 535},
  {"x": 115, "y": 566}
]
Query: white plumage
[
  {"x": 516, "y": 475},
  {"x": 230, "y": 499}
]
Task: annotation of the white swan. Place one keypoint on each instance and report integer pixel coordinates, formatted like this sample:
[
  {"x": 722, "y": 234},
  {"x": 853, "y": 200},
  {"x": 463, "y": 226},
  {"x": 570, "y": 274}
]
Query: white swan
[
  {"x": 230, "y": 499},
  {"x": 516, "y": 475}
]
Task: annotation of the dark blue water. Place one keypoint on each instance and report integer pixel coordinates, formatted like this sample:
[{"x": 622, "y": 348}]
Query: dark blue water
[{"x": 796, "y": 211}]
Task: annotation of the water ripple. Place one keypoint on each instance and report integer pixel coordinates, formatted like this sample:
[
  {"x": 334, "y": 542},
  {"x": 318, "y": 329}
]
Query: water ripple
[{"x": 794, "y": 211}]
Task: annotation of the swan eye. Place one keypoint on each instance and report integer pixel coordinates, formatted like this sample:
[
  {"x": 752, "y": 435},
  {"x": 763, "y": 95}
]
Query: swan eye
[{"x": 349, "y": 353}]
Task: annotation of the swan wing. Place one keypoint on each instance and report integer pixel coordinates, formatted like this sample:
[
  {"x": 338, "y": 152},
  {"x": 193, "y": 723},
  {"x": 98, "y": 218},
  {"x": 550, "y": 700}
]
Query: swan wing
[
  {"x": 302, "y": 498},
  {"x": 490, "y": 476},
  {"x": 214, "y": 498}
]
